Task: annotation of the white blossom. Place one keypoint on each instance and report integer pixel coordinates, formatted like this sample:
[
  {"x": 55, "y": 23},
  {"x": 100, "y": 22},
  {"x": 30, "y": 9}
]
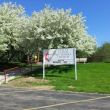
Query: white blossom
[{"x": 48, "y": 28}]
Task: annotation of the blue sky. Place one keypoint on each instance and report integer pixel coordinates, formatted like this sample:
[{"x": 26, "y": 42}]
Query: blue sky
[{"x": 96, "y": 12}]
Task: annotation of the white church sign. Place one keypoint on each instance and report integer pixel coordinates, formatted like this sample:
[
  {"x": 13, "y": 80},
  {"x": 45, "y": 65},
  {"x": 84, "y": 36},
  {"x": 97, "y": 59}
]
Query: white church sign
[{"x": 59, "y": 57}]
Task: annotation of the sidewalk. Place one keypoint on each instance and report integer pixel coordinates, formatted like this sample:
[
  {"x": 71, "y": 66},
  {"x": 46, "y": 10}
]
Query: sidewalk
[
  {"x": 2, "y": 77},
  {"x": 14, "y": 73}
]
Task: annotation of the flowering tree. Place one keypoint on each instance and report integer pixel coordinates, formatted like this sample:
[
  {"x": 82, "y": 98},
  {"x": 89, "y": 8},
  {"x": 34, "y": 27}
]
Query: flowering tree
[
  {"x": 59, "y": 28},
  {"x": 10, "y": 25},
  {"x": 45, "y": 29},
  {"x": 12, "y": 21}
]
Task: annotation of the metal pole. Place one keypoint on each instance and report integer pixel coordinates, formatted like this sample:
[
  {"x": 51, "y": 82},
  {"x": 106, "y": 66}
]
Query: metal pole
[
  {"x": 43, "y": 65},
  {"x": 31, "y": 65},
  {"x": 5, "y": 76},
  {"x": 75, "y": 64}
]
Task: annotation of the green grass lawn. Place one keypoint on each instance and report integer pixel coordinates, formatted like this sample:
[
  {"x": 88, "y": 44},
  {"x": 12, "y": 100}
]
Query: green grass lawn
[{"x": 92, "y": 77}]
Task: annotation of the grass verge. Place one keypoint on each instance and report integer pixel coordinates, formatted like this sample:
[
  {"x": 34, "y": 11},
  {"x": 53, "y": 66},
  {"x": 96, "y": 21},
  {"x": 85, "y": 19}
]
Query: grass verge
[{"x": 92, "y": 77}]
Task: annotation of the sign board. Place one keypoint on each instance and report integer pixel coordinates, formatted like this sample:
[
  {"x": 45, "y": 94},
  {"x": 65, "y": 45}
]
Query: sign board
[{"x": 59, "y": 57}]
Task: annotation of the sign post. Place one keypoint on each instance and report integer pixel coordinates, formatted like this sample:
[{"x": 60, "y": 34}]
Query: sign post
[
  {"x": 60, "y": 57},
  {"x": 43, "y": 64},
  {"x": 75, "y": 64}
]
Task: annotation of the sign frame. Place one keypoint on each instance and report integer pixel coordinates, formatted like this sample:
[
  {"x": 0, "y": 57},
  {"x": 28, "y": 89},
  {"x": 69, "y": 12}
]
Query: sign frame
[{"x": 74, "y": 63}]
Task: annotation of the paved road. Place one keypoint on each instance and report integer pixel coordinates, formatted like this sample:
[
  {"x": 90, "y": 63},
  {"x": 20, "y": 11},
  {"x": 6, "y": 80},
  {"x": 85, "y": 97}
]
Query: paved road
[{"x": 25, "y": 99}]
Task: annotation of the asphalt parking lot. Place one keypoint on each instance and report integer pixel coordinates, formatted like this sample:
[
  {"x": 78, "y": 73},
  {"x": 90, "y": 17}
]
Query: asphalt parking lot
[{"x": 27, "y": 99}]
